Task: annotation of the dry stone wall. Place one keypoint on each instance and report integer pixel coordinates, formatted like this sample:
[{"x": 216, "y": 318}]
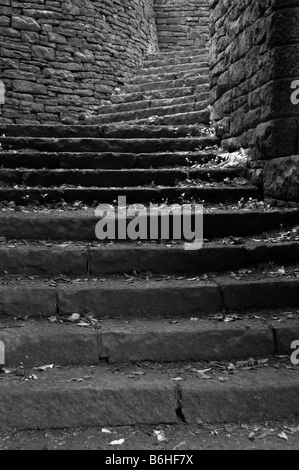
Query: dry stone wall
[
  {"x": 60, "y": 58},
  {"x": 182, "y": 23},
  {"x": 254, "y": 86}
]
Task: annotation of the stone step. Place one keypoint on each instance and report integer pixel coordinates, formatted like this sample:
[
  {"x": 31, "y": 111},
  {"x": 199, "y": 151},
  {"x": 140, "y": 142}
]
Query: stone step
[
  {"x": 166, "y": 93},
  {"x": 73, "y": 394},
  {"x": 91, "y": 195},
  {"x": 141, "y": 114},
  {"x": 93, "y": 259},
  {"x": 169, "y": 44},
  {"x": 92, "y": 160},
  {"x": 107, "y": 144},
  {"x": 181, "y": 119},
  {"x": 161, "y": 297},
  {"x": 115, "y": 178},
  {"x": 80, "y": 224},
  {"x": 34, "y": 343},
  {"x": 115, "y": 131},
  {"x": 187, "y": 52},
  {"x": 146, "y": 104},
  {"x": 139, "y": 79},
  {"x": 175, "y": 61},
  {"x": 163, "y": 68},
  {"x": 161, "y": 85}
]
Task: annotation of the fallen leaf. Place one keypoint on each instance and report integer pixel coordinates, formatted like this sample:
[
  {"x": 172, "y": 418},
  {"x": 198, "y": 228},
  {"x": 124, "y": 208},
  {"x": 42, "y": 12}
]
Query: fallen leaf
[
  {"x": 160, "y": 436},
  {"x": 117, "y": 443},
  {"x": 83, "y": 324},
  {"x": 52, "y": 319},
  {"x": 44, "y": 368},
  {"x": 283, "y": 435},
  {"x": 74, "y": 317},
  {"x": 205, "y": 376},
  {"x": 106, "y": 431},
  {"x": 202, "y": 371}
]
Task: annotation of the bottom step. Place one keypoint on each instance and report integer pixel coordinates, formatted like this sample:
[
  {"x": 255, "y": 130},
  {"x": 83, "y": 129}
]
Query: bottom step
[{"x": 74, "y": 397}]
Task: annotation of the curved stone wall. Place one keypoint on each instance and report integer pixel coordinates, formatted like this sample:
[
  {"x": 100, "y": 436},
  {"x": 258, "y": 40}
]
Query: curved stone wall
[{"x": 60, "y": 58}]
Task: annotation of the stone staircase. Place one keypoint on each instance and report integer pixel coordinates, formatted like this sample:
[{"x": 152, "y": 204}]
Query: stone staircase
[
  {"x": 172, "y": 88},
  {"x": 142, "y": 332}
]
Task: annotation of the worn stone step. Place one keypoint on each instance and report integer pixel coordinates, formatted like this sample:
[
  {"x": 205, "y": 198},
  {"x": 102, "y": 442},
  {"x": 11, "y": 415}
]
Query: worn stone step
[
  {"x": 114, "y": 178},
  {"x": 158, "y": 94},
  {"x": 181, "y": 119},
  {"x": 160, "y": 297},
  {"x": 104, "y": 400},
  {"x": 188, "y": 340},
  {"x": 73, "y": 396},
  {"x": 175, "y": 74},
  {"x": 88, "y": 195},
  {"x": 162, "y": 68},
  {"x": 187, "y": 52},
  {"x": 34, "y": 343},
  {"x": 174, "y": 61},
  {"x": 115, "y": 131},
  {"x": 77, "y": 259},
  {"x": 168, "y": 43},
  {"x": 80, "y": 225},
  {"x": 160, "y": 85},
  {"x": 141, "y": 114},
  {"x": 135, "y": 131},
  {"x": 108, "y": 145},
  {"x": 153, "y": 398},
  {"x": 146, "y": 104},
  {"x": 105, "y": 160}
]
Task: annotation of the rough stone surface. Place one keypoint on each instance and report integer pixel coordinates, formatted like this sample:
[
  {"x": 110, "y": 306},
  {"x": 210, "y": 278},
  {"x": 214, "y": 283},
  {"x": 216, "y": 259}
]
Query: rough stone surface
[
  {"x": 118, "y": 299},
  {"x": 58, "y": 399},
  {"x": 52, "y": 260},
  {"x": 270, "y": 293},
  {"x": 184, "y": 341},
  {"x": 252, "y": 397},
  {"x": 37, "y": 344},
  {"x": 285, "y": 334},
  {"x": 281, "y": 178},
  {"x": 95, "y": 397},
  {"x": 21, "y": 301}
]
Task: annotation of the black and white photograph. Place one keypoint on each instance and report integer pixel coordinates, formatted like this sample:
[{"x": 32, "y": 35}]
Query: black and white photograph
[{"x": 149, "y": 228}]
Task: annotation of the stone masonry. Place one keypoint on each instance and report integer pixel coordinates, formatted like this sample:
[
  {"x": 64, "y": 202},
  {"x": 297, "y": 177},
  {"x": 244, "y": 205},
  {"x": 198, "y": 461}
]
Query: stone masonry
[
  {"x": 60, "y": 59},
  {"x": 254, "y": 72},
  {"x": 182, "y": 23}
]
